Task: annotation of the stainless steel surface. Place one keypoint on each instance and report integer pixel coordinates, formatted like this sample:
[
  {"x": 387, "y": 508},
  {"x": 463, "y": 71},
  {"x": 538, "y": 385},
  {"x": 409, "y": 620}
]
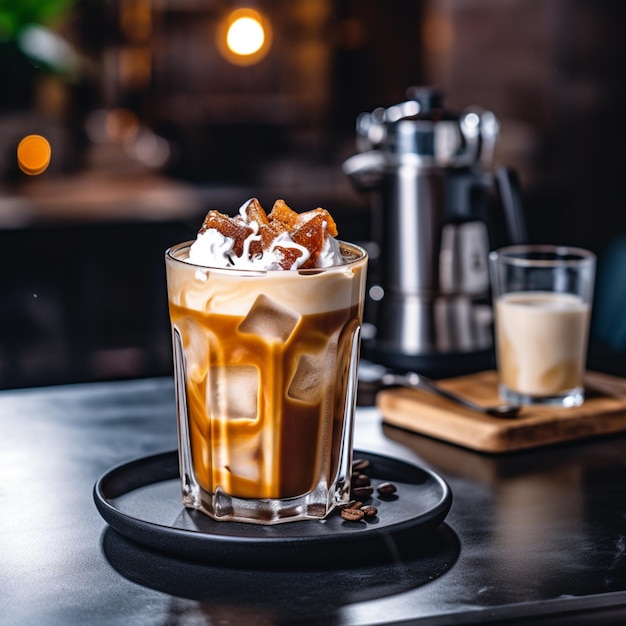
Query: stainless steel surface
[
  {"x": 463, "y": 264},
  {"x": 411, "y": 238}
]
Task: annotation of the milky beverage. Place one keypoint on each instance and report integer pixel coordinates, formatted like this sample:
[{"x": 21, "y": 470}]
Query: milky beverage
[
  {"x": 541, "y": 341},
  {"x": 269, "y": 360}
]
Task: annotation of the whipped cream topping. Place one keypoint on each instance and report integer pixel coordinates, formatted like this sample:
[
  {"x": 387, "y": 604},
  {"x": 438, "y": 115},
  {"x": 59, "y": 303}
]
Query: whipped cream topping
[{"x": 214, "y": 249}]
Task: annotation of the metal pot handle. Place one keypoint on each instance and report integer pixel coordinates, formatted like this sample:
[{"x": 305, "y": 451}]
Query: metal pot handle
[{"x": 365, "y": 169}]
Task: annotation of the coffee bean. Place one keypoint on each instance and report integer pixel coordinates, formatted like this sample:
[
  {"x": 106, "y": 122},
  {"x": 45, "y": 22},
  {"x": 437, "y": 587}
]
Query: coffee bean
[
  {"x": 360, "y": 465},
  {"x": 369, "y": 511},
  {"x": 352, "y": 515},
  {"x": 386, "y": 489},
  {"x": 360, "y": 480},
  {"x": 362, "y": 492},
  {"x": 362, "y": 489}
]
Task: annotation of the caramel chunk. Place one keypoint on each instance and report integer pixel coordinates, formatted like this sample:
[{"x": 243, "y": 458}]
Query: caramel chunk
[
  {"x": 256, "y": 213},
  {"x": 310, "y": 235},
  {"x": 286, "y": 257},
  {"x": 331, "y": 226},
  {"x": 227, "y": 227},
  {"x": 283, "y": 215},
  {"x": 267, "y": 232}
]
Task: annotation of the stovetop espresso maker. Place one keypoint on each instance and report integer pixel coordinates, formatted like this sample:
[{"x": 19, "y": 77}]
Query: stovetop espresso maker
[{"x": 437, "y": 210}]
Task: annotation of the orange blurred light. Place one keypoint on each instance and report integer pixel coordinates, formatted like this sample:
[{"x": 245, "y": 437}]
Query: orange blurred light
[
  {"x": 244, "y": 37},
  {"x": 33, "y": 154}
]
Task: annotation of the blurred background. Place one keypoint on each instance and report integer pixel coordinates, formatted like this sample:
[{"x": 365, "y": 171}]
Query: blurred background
[{"x": 155, "y": 115}]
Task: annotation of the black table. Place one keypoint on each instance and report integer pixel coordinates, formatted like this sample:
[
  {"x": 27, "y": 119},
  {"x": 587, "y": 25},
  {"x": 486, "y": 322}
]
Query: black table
[{"x": 535, "y": 537}]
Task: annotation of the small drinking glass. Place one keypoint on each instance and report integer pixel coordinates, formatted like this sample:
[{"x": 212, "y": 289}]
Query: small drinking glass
[{"x": 542, "y": 300}]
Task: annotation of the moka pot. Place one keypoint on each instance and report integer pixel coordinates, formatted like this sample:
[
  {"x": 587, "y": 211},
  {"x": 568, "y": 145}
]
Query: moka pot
[{"x": 437, "y": 210}]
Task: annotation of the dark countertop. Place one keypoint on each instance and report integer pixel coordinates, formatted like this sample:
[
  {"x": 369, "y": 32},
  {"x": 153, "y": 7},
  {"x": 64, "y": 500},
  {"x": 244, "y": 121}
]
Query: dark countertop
[{"x": 531, "y": 537}]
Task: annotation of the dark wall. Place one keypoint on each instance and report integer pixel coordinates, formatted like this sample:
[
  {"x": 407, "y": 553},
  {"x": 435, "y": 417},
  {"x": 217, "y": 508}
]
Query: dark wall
[{"x": 553, "y": 72}]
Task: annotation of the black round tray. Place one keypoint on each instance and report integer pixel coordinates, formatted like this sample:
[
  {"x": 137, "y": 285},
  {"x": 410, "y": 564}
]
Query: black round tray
[{"x": 141, "y": 500}]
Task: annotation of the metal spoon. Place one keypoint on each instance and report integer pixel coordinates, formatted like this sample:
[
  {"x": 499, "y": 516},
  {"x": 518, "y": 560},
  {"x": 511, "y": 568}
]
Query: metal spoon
[{"x": 418, "y": 381}]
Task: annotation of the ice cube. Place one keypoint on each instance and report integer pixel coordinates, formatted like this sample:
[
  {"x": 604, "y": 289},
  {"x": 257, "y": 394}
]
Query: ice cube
[
  {"x": 195, "y": 341},
  {"x": 308, "y": 382},
  {"x": 270, "y": 320},
  {"x": 241, "y": 457},
  {"x": 233, "y": 392}
]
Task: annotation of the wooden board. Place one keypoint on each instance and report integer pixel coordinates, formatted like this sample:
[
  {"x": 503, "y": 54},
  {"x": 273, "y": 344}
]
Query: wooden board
[{"x": 603, "y": 412}]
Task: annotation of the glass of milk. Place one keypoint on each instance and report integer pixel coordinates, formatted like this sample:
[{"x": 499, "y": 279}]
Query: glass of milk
[{"x": 542, "y": 298}]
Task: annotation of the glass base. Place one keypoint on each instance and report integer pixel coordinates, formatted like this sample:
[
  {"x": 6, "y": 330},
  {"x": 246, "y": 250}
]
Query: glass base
[
  {"x": 568, "y": 398},
  {"x": 220, "y": 506}
]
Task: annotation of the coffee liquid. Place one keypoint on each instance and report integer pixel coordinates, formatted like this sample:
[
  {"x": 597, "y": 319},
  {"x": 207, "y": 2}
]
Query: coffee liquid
[{"x": 265, "y": 398}]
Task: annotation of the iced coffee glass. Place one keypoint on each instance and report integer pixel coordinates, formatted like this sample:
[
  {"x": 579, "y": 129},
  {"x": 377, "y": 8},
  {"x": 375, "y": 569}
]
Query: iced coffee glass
[
  {"x": 265, "y": 371},
  {"x": 542, "y": 301}
]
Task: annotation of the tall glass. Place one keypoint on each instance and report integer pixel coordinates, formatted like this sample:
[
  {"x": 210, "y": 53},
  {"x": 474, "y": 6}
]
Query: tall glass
[
  {"x": 542, "y": 300},
  {"x": 265, "y": 368}
]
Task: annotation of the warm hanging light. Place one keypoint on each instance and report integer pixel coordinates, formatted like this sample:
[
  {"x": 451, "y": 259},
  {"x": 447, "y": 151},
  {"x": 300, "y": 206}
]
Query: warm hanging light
[{"x": 244, "y": 37}]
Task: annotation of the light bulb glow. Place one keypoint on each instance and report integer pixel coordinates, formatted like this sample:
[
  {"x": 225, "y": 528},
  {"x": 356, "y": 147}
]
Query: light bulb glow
[{"x": 244, "y": 37}]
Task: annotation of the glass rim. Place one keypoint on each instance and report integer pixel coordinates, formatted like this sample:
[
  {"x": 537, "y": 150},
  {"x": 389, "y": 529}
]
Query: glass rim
[
  {"x": 359, "y": 250},
  {"x": 562, "y": 256}
]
